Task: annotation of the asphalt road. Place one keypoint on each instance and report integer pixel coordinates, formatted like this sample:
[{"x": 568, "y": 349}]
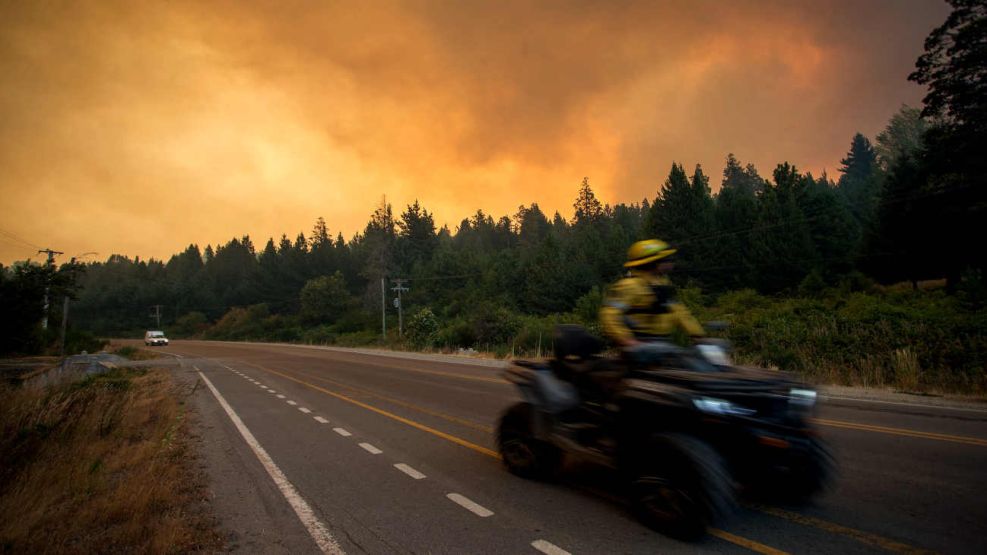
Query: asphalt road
[{"x": 391, "y": 455}]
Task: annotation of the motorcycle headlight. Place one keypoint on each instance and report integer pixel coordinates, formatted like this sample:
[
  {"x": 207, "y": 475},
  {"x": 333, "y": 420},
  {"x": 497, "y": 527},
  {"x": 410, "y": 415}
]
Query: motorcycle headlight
[
  {"x": 711, "y": 405},
  {"x": 802, "y": 397}
]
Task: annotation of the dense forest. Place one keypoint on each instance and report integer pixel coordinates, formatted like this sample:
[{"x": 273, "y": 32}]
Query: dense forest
[{"x": 907, "y": 207}]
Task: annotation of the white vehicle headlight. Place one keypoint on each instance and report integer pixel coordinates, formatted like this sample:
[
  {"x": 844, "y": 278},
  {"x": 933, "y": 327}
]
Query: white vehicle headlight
[
  {"x": 715, "y": 354},
  {"x": 711, "y": 405},
  {"x": 802, "y": 397}
]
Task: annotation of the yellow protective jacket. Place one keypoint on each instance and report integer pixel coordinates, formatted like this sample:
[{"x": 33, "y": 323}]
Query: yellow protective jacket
[{"x": 640, "y": 307}]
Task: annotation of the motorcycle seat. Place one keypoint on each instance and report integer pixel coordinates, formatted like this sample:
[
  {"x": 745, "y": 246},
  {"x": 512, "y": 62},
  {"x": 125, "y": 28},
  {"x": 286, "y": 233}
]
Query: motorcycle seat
[{"x": 572, "y": 342}]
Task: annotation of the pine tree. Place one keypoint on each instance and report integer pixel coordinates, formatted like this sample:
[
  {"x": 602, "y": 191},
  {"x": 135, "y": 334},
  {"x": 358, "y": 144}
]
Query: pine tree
[
  {"x": 416, "y": 237},
  {"x": 587, "y": 207},
  {"x": 954, "y": 68},
  {"x": 683, "y": 215},
  {"x": 860, "y": 183},
  {"x": 736, "y": 215},
  {"x": 830, "y": 225},
  {"x": 901, "y": 137},
  {"x": 782, "y": 253}
]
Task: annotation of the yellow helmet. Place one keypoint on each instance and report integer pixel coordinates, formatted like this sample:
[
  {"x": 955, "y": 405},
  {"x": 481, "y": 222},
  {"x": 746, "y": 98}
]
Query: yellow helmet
[{"x": 645, "y": 252}]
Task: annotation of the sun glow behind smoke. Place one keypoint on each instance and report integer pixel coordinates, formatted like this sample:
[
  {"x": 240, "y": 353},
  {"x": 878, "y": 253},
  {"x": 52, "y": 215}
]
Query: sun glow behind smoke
[{"x": 141, "y": 128}]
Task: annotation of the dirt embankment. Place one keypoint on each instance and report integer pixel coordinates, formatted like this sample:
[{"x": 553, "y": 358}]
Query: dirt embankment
[{"x": 105, "y": 464}]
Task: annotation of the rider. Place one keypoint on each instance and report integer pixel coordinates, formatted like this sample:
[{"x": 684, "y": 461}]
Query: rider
[{"x": 642, "y": 306}]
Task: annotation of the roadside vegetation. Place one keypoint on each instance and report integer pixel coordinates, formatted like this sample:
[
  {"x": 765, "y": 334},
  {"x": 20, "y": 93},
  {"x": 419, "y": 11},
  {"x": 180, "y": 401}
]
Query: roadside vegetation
[
  {"x": 102, "y": 465},
  {"x": 854, "y": 333}
]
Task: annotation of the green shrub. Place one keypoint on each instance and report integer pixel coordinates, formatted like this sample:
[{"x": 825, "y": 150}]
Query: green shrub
[
  {"x": 77, "y": 341},
  {"x": 190, "y": 325},
  {"x": 457, "y": 333},
  {"x": 320, "y": 335},
  {"x": 423, "y": 329}
]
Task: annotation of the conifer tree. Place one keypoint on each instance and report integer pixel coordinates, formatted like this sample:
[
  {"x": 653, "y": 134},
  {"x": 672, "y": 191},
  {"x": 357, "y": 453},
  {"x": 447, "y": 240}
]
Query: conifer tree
[
  {"x": 860, "y": 182},
  {"x": 587, "y": 207}
]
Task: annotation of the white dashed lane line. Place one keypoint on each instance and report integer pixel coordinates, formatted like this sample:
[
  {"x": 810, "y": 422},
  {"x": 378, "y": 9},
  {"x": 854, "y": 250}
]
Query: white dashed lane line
[
  {"x": 371, "y": 449},
  {"x": 549, "y": 548},
  {"x": 319, "y": 532},
  {"x": 409, "y": 471},
  {"x": 478, "y": 510}
]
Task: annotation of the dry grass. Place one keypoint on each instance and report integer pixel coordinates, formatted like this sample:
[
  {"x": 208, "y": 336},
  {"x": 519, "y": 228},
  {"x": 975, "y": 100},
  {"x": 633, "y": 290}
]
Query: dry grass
[{"x": 101, "y": 465}]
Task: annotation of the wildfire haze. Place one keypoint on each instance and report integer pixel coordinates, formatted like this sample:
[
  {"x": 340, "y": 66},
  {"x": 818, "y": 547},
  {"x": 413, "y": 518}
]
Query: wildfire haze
[{"x": 141, "y": 127}]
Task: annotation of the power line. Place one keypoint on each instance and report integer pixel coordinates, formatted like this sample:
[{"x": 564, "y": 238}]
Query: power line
[{"x": 19, "y": 239}]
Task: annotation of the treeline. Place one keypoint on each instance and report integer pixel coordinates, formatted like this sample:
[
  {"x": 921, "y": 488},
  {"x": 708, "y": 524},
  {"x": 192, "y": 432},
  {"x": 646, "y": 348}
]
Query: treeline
[{"x": 778, "y": 234}]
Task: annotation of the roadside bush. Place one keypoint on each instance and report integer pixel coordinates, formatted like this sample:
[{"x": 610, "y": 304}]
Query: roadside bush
[
  {"x": 456, "y": 333},
  {"x": 493, "y": 324},
  {"x": 358, "y": 339},
  {"x": 423, "y": 329},
  {"x": 77, "y": 341},
  {"x": 587, "y": 309},
  {"x": 320, "y": 335},
  {"x": 324, "y": 299},
  {"x": 190, "y": 325},
  {"x": 912, "y": 340}
]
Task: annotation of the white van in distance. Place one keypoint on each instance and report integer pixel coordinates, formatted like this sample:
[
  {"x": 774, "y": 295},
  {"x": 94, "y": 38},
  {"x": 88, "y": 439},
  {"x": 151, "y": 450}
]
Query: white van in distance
[{"x": 152, "y": 338}]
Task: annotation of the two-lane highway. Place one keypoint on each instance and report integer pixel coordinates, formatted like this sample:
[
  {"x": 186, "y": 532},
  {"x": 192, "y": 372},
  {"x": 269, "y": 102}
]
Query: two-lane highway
[{"x": 389, "y": 454}]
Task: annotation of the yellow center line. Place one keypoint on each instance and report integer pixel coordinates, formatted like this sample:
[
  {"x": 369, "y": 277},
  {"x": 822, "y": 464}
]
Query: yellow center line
[
  {"x": 744, "y": 542},
  {"x": 403, "y": 420},
  {"x": 391, "y": 366},
  {"x": 867, "y": 538},
  {"x": 437, "y": 414},
  {"x": 734, "y": 539},
  {"x": 902, "y": 432}
]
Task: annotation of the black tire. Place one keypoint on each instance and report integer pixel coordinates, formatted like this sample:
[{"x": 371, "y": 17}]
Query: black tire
[
  {"x": 807, "y": 475},
  {"x": 682, "y": 487},
  {"x": 523, "y": 454}
]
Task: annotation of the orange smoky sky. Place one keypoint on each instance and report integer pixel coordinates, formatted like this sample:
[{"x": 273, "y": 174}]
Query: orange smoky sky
[{"x": 141, "y": 127}]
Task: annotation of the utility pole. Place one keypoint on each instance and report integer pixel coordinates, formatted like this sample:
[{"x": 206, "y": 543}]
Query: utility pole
[
  {"x": 383, "y": 310},
  {"x": 65, "y": 319},
  {"x": 157, "y": 315},
  {"x": 65, "y": 308},
  {"x": 51, "y": 262},
  {"x": 399, "y": 287}
]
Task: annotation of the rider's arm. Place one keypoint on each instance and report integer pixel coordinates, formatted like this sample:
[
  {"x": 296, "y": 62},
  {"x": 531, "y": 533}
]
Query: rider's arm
[
  {"x": 613, "y": 314},
  {"x": 685, "y": 320},
  {"x": 613, "y": 324}
]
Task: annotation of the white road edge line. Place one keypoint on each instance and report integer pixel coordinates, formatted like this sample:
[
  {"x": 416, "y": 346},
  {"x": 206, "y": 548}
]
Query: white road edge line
[
  {"x": 323, "y": 538},
  {"x": 321, "y": 420},
  {"x": 409, "y": 471},
  {"x": 549, "y": 548},
  {"x": 371, "y": 449},
  {"x": 342, "y": 432},
  {"x": 305, "y": 410},
  {"x": 470, "y": 506}
]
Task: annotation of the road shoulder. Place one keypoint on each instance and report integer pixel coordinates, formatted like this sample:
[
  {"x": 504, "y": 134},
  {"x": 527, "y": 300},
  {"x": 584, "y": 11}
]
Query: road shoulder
[{"x": 253, "y": 516}]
